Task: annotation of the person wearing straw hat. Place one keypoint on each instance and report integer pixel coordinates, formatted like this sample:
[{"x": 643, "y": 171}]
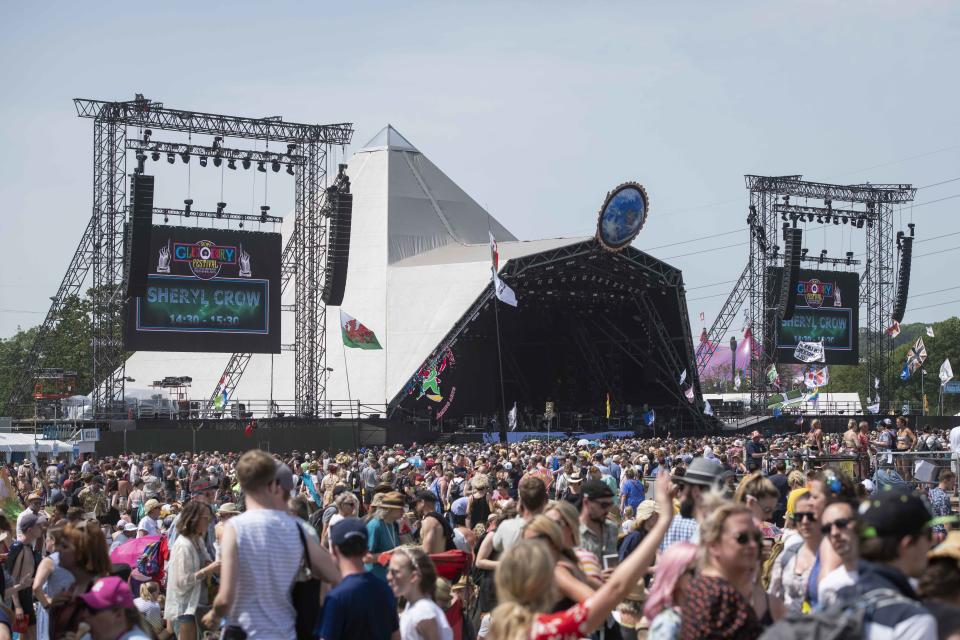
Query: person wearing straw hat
[
  {"x": 382, "y": 533},
  {"x": 149, "y": 526}
]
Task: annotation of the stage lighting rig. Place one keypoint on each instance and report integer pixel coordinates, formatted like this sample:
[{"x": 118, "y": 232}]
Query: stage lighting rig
[
  {"x": 231, "y": 164},
  {"x": 823, "y": 255},
  {"x": 185, "y": 156},
  {"x": 849, "y": 257},
  {"x": 141, "y": 158},
  {"x": 275, "y": 165},
  {"x": 171, "y": 158},
  {"x": 220, "y": 207},
  {"x": 290, "y": 169},
  {"x": 246, "y": 161},
  {"x": 263, "y": 213},
  {"x": 217, "y": 161},
  {"x": 187, "y": 204},
  {"x": 203, "y": 161},
  {"x": 260, "y": 167},
  {"x": 155, "y": 156},
  {"x": 146, "y": 135},
  {"x": 217, "y": 143}
]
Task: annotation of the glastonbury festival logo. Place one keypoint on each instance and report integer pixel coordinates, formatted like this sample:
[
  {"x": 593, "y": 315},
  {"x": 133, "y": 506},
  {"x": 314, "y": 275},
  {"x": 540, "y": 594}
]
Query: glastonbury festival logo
[
  {"x": 204, "y": 258},
  {"x": 622, "y": 216},
  {"x": 427, "y": 381},
  {"x": 815, "y": 292}
]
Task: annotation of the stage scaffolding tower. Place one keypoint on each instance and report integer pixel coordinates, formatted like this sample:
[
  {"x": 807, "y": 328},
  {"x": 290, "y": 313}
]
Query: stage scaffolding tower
[
  {"x": 770, "y": 201},
  {"x": 99, "y": 255}
]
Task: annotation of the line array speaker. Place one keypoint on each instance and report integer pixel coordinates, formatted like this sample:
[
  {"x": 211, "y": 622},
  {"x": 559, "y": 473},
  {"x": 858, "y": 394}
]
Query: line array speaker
[
  {"x": 141, "y": 223},
  {"x": 793, "y": 238},
  {"x": 338, "y": 245},
  {"x": 903, "y": 281}
]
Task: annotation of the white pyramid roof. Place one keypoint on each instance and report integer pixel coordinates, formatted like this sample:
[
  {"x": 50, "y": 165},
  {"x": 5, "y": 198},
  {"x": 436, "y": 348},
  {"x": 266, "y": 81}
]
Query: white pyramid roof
[{"x": 419, "y": 257}]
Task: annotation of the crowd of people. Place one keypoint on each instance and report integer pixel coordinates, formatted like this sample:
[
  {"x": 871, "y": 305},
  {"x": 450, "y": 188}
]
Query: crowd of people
[{"x": 707, "y": 537}]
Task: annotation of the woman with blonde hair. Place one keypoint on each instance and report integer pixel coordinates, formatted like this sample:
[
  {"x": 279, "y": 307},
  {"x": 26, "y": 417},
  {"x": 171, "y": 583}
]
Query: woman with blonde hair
[
  {"x": 413, "y": 578},
  {"x": 570, "y": 579},
  {"x": 479, "y": 504},
  {"x": 716, "y": 601},
  {"x": 760, "y": 496},
  {"x": 148, "y": 604},
  {"x": 527, "y": 588}
]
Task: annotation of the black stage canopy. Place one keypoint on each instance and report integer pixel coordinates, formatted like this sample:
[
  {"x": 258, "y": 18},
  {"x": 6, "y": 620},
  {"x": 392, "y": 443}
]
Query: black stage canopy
[{"x": 589, "y": 323}]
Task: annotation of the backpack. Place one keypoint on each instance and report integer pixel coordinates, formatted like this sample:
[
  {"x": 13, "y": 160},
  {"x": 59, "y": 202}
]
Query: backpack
[
  {"x": 448, "y": 543},
  {"x": 150, "y": 563},
  {"x": 456, "y": 489},
  {"x": 845, "y": 620},
  {"x": 778, "y": 554}
]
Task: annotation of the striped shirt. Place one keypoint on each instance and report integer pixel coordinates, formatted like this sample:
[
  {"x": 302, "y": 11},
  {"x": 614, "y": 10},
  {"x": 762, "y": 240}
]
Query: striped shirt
[{"x": 268, "y": 559}]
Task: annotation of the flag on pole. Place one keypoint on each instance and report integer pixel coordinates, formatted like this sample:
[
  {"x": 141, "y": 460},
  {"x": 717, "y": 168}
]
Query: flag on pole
[
  {"x": 813, "y": 396},
  {"x": 683, "y": 377},
  {"x": 930, "y": 332},
  {"x": 916, "y": 356},
  {"x": 688, "y": 393},
  {"x": 494, "y": 252},
  {"x": 876, "y": 383},
  {"x": 905, "y": 372},
  {"x": 608, "y": 406},
  {"x": 946, "y": 372},
  {"x": 815, "y": 377},
  {"x": 707, "y": 409},
  {"x": 512, "y": 418},
  {"x": 649, "y": 417},
  {"x": 503, "y": 292},
  {"x": 772, "y": 376},
  {"x": 875, "y": 407},
  {"x": 355, "y": 334},
  {"x": 894, "y": 329},
  {"x": 736, "y": 382}
]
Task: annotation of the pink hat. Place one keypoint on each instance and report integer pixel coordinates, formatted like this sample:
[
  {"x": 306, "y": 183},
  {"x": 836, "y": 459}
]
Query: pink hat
[{"x": 108, "y": 593}]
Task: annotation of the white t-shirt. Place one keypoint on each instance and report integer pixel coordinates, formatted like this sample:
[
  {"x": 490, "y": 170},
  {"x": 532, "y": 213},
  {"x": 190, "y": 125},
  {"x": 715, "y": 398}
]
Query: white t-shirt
[
  {"x": 423, "y": 609},
  {"x": 833, "y": 582},
  {"x": 149, "y": 525},
  {"x": 955, "y": 440}
]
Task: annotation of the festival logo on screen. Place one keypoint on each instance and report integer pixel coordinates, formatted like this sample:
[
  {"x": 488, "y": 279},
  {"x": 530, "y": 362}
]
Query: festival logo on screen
[
  {"x": 427, "y": 382},
  {"x": 205, "y": 258},
  {"x": 816, "y": 292}
]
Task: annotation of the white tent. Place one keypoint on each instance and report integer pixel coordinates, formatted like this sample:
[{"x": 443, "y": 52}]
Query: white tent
[
  {"x": 418, "y": 258},
  {"x": 25, "y": 443}
]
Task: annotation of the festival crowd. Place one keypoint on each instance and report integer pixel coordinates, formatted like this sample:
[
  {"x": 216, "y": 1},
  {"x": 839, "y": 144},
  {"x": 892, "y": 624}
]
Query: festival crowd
[{"x": 808, "y": 535}]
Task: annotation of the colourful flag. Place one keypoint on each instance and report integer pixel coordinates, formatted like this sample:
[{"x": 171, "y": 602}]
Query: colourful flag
[
  {"x": 736, "y": 382},
  {"x": 814, "y": 377},
  {"x": 813, "y": 396},
  {"x": 494, "y": 252},
  {"x": 701, "y": 316},
  {"x": 894, "y": 329},
  {"x": 608, "y": 406},
  {"x": 772, "y": 376},
  {"x": 355, "y": 334},
  {"x": 689, "y": 393},
  {"x": 916, "y": 356}
]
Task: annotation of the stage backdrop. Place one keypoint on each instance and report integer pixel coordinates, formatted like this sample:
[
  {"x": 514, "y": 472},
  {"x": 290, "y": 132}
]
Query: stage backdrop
[
  {"x": 208, "y": 290},
  {"x": 827, "y": 309}
]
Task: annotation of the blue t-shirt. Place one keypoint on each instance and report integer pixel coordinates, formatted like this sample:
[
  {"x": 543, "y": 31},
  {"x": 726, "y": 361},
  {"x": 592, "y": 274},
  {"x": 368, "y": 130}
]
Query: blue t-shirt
[
  {"x": 633, "y": 493},
  {"x": 381, "y": 537},
  {"x": 361, "y": 606}
]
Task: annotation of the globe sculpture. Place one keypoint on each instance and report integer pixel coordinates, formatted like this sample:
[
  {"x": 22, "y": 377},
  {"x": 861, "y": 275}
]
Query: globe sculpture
[{"x": 622, "y": 216}]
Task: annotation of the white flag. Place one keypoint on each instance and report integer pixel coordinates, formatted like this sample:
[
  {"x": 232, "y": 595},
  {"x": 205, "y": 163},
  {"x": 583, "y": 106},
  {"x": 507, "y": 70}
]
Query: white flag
[
  {"x": 683, "y": 377},
  {"x": 736, "y": 382},
  {"x": 876, "y": 383},
  {"x": 875, "y": 407},
  {"x": 707, "y": 409},
  {"x": 946, "y": 372},
  {"x": 809, "y": 351},
  {"x": 689, "y": 393},
  {"x": 503, "y": 292},
  {"x": 930, "y": 332},
  {"x": 512, "y": 418}
]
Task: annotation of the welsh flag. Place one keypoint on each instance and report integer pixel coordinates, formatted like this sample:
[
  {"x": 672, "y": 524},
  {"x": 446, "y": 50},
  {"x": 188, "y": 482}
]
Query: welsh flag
[{"x": 355, "y": 335}]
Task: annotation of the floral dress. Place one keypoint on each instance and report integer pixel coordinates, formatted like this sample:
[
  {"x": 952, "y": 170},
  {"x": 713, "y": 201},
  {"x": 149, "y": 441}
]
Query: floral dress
[{"x": 565, "y": 625}]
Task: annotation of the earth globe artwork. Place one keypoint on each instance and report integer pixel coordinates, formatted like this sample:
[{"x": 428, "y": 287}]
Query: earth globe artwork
[{"x": 622, "y": 216}]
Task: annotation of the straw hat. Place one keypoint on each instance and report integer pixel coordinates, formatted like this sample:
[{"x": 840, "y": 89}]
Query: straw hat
[{"x": 390, "y": 500}]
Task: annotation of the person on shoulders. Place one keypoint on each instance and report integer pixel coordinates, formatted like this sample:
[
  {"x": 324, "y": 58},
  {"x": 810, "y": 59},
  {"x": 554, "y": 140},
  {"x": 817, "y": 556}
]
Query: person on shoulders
[{"x": 413, "y": 577}]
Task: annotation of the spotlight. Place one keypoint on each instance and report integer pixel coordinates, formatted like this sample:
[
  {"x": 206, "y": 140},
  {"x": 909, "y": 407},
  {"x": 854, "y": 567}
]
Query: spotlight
[
  {"x": 241, "y": 225},
  {"x": 836, "y": 219},
  {"x": 220, "y": 207},
  {"x": 217, "y": 161},
  {"x": 291, "y": 148},
  {"x": 185, "y": 155},
  {"x": 823, "y": 254},
  {"x": 217, "y": 143},
  {"x": 810, "y": 217},
  {"x": 849, "y": 256},
  {"x": 819, "y": 219},
  {"x": 203, "y": 161},
  {"x": 290, "y": 169},
  {"x": 146, "y": 135},
  {"x": 166, "y": 218},
  {"x": 859, "y": 223},
  {"x": 869, "y": 224},
  {"x": 141, "y": 158},
  {"x": 783, "y": 216},
  {"x": 263, "y": 213},
  {"x": 231, "y": 164},
  {"x": 845, "y": 219},
  {"x": 804, "y": 252},
  {"x": 246, "y": 162},
  {"x": 155, "y": 156},
  {"x": 171, "y": 158},
  {"x": 260, "y": 167},
  {"x": 275, "y": 165},
  {"x": 187, "y": 204}
]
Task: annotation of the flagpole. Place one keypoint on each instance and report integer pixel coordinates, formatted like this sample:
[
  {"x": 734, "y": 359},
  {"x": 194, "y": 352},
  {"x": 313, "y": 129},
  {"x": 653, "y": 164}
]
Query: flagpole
[{"x": 503, "y": 398}]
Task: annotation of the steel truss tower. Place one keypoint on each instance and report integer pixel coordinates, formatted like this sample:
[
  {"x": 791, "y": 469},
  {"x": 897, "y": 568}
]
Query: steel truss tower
[
  {"x": 100, "y": 252},
  {"x": 770, "y": 201}
]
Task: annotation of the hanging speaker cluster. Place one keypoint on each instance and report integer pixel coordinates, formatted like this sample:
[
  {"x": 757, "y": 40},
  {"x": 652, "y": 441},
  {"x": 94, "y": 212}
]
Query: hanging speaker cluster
[
  {"x": 903, "y": 281},
  {"x": 141, "y": 224},
  {"x": 793, "y": 238},
  {"x": 340, "y": 202}
]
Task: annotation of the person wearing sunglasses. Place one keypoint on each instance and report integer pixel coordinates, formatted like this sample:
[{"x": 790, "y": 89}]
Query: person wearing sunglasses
[
  {"x": 791, "y": 571},
  {"x": 714, "y": 603},
  {"x": 839, "y": 528}
]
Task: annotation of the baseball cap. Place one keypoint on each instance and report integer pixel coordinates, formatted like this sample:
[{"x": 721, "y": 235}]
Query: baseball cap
[
  {"x": 284, "y": 476},
  {"x": 596, "y": 490},
  {"x": 894, "y": 514},
  {"x": 347, "y": 529},
  {"x": 28, "y": 520},
  {"x": 108, "y": 593},
  {"x": 129, "y": 526}
]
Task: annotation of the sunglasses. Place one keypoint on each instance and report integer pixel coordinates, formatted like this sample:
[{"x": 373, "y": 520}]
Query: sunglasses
[
  {"x": 839, "y": 523},
  {"x": 747, "y": 536},
  {"x": 800, "y": 516}
]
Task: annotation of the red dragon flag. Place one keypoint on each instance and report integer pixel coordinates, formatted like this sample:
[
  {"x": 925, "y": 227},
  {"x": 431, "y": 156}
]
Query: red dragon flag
[{"x": 355, "y": 335}]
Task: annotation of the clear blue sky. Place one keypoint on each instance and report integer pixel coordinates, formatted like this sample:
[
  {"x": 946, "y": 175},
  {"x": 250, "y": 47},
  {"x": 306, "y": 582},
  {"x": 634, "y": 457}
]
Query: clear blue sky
[{"x": 535, "y": 109}]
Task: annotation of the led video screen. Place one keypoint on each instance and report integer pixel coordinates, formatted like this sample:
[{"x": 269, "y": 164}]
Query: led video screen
[
  {"x": 208, "y": 290},
  {"x": 827, "y": 309}
]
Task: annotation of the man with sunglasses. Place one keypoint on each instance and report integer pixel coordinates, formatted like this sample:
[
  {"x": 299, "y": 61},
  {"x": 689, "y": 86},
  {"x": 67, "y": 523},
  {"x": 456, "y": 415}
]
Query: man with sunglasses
[
  {"x": 597, "y": 534},
  {"x": 840, "y": 528},
  {"x": 895, "y": 540}
]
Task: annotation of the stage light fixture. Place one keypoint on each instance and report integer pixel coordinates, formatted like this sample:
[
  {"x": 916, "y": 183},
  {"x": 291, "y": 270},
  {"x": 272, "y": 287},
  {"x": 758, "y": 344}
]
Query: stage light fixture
[
  {"x": 845, "y": 219},
  {"x": 819, "y": 219},
  {"x": 141, "y": 158},
  {"x": 171, "y": 158},
  {"x": 185, "y": 155},
  {"x": 146, "y": 135},
  {"x": 231, "y": 164},
  {"x": 246, "y": 163},
  {"x": 783, "y": 216},
  {"x": 166, "y": 218},
  {"x": 810, "y": 217},
  {"x": 275, "y": 165},
  {"x": 203, "y": 161},
  {"x": 290, "y": 169},
  {"x": 241, "y": 225},
  {"x": 849, "y": 256},
  {"x": 263, "y": 213},
  {"x": 217, "y": 161},
  {"x": 217, "y": 143},
  {"x": 155, "y": 156},
  {"x": 836, "y": 219},
  {"x": 291, "y": 148},
  {"x": 220, "y": 207},
  {"x": 804, "y": 252},
  {"x": 860, "y": 223},
  {"x": 187, "y": 204},
  {"x": 260, "y": 167}
]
